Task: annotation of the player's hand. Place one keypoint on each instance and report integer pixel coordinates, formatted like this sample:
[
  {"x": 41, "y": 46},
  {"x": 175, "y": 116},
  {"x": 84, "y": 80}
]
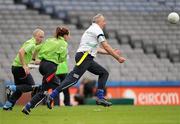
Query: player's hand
[
  {"x": 26, "y": 69},
  {"x": 37, "y": 62},
  {"x": 121, "y": 60},
  {"x": 117, "y": 51}
]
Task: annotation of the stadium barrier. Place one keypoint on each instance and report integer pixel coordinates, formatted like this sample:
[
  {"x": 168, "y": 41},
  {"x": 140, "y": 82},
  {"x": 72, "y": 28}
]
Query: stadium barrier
[
  {"x": 148, "y": 95},
  {"x": 117, "y": 101},
  {"x": 142, "y": 92},
  {"x": 147, "y": 92}
]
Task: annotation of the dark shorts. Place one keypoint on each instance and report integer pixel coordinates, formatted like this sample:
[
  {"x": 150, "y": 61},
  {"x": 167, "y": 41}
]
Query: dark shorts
[
  {"x": 48, "y": 70},
  {"x": 20, "y": 76}
]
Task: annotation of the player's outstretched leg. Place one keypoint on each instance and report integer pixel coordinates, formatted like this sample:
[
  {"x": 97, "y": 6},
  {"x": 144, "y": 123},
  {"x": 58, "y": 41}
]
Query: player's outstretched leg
[
  {"x": 49, "y": 101},
  {"x": 101, "y": 100},
  {"x": 26, "y": 109},
  {"x": 12, "y": 96},
  {"x": 35, "y": 101}
]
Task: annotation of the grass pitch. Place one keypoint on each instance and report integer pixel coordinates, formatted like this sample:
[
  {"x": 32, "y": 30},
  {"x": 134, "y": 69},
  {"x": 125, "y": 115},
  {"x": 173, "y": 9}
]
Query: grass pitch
[{"x": 94, "y": 115}]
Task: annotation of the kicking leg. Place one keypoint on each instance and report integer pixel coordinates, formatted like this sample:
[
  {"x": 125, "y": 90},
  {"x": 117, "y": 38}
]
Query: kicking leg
[{"x": 97, "y": 69}]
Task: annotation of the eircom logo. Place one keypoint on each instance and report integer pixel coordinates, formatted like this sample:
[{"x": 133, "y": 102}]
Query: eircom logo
[
  {"x": 158, "y": 98},
  {"x": 152, "y": 98}
]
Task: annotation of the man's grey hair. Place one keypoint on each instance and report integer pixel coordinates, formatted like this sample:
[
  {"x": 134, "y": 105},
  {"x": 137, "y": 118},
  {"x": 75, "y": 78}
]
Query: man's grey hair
[
  {"x": 36, "y": 31},
  {"x": 96, "y": 18}
]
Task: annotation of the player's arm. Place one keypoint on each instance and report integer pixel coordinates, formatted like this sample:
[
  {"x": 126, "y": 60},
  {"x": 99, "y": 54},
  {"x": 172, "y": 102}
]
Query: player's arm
[
  {"x": 34, "y": 58},
  {"x": 21, "y": 54},
  {"x": 112, "y": 52},
  {"x": 101, "y": 39},
  {"x": 103, "y": 51}
]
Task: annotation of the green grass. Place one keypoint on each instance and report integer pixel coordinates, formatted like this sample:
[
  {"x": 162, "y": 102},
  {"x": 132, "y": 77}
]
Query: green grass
[{"x": 94, "y": 115}]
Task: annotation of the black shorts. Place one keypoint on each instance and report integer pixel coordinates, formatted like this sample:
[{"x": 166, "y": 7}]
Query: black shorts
[
  {"x": 20, "y": 76},
  {"x": 48, "y": 70}
]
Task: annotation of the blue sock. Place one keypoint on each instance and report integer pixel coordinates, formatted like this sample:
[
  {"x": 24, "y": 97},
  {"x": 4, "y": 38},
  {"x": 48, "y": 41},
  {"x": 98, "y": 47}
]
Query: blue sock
[
  {"x": 100, "y": 93},
  {"x": 28, "y": 106},
  {"x": 54, "y": 94}
]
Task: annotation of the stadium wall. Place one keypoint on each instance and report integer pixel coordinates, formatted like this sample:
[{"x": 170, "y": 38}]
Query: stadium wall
[
  {"x": 143, "y": 92},
  {"x": 146, "y": 92}
]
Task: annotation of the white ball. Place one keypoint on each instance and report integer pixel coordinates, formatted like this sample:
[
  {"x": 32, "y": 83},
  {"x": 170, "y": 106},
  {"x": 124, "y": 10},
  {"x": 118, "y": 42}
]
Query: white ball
[{"x": 173, "y": 18}]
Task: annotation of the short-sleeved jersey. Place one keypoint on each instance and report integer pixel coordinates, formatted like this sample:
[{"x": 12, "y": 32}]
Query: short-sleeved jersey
[
  {"x": 29, "y": 47},
  {"x": 54, "y": 50},
  {"x": 91, "y": 39}
]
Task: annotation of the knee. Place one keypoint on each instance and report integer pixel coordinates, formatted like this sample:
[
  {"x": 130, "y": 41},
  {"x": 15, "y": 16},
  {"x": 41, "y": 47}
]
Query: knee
[{"x": 105, "y": 73}]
